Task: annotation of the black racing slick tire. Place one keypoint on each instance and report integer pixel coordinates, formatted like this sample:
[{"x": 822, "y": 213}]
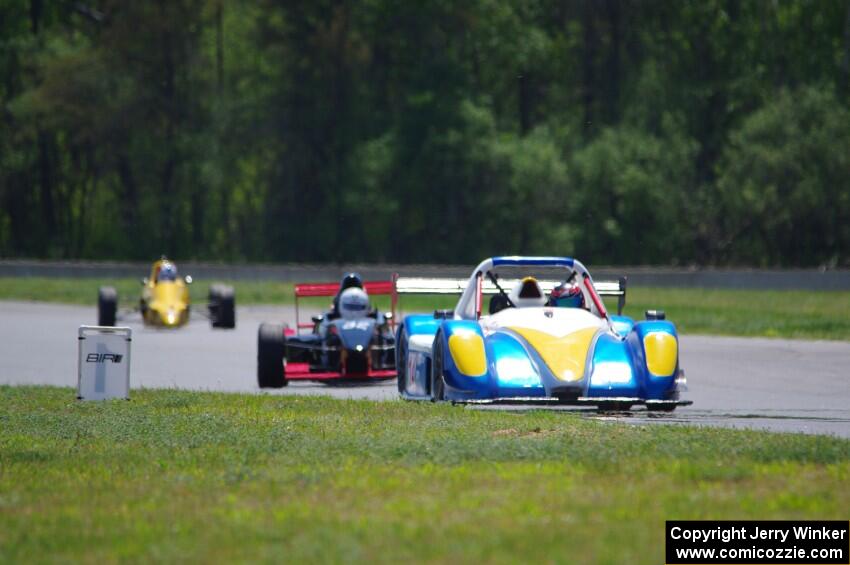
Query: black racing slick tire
[
  {"x": 401, "y": 361},
  {"x": 438, "y": 383},
  {"x": 212, "y": 302},
  {"x": 107, "y": 306},
  {"x": 222, "y": 306},
  {"x": 271, "y": 351}
]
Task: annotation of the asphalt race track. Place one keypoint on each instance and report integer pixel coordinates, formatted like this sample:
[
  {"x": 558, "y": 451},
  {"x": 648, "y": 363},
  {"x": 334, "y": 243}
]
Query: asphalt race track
[{"x": 781, "y": 385}]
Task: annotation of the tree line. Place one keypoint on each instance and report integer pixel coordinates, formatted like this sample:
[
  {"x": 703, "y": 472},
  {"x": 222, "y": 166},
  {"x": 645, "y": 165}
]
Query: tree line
[{"x": 619, "y": 131}]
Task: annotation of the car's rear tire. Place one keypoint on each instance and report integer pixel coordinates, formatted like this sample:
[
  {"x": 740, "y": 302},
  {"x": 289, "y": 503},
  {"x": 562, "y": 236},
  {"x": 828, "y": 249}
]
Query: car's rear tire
[
  {"x": 401, "y": 361},
  {"x": 212, "y": 302},
  {"x": 107, "y": 306},
  {"x": 222, "y": 306},
  {"x": 438, "y": 383},
  {"x": 271, "y": 351}
]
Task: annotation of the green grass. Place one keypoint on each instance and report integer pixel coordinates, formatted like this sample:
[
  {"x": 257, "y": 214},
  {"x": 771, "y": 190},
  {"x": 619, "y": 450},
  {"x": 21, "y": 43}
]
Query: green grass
[
  {"x": 84, "y": 291},
  {"x": 205, "y": 477},
  {"x": 796, "y": 314},
  {"x": 775, "y": 313}
]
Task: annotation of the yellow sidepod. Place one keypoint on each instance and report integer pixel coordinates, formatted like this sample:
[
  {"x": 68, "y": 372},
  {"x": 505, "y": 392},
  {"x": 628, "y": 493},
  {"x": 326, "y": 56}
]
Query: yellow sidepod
[
  {"x": 565, "y": 356},
  {"x": 662, "y": 353},
  {"x": 467, "y": 349}
]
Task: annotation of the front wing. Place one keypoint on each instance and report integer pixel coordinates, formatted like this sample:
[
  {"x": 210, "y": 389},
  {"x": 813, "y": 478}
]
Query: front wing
[
  {"x": 580, "y": 401},
  {"x": 302, "y": 372}
]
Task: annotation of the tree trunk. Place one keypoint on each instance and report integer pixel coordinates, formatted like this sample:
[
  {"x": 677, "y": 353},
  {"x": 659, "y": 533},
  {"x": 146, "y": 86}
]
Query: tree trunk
[
  {"x": 844, "y": 84},
  {"x": 613, "y": 61},
  {"x": 219, "y": 47},
  {"x": 47, "y": 187},
  {"x": 524, "y": 103},
  {"x": 36, "y": 9},
  {"x": 588, "y": 61},
  {"x": 338, "y": 129},
  {"x": 130, "y": 197},
  {"x": 167, "y": 195}
]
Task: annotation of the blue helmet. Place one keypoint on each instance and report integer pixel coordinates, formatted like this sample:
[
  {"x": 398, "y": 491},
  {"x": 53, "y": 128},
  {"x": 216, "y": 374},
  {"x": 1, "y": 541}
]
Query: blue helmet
[
  {"x": 567, "y": 295},
  {"x": 168, "y": 272}
]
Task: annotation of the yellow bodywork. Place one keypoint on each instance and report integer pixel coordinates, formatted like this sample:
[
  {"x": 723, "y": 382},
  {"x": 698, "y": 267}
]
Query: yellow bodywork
[
  {"x": 662, "y": 353},
  {"x": 164, "y": 303},
  {"x": 467, "y": 349},
  {"x": 565, "y": 356}
]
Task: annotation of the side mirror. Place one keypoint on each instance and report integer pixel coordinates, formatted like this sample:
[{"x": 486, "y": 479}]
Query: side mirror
[
  {"x": 443, "y": 314},
  {"x": 656, "y": 315},
  {"x": 188, "y": 279},
  {"x": 388, "y": 316},
  {"x": 144, "y": 281},
  {"x": 318, "y": 319}
]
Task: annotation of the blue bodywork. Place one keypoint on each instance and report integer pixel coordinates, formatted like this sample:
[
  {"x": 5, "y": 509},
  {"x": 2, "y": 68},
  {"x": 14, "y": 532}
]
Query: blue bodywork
[
  {"x": 511, "y": 261},
  {"x": 615, "y": 371}
]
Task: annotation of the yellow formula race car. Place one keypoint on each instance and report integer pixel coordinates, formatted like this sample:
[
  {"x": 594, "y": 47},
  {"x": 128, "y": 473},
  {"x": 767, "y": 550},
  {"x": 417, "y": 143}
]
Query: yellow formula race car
[{"x": 165, "y": 301}]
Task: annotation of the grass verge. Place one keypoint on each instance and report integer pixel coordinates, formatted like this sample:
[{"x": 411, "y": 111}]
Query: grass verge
[
  {"x": 795, "y": 314},
  {"x": 201, "y": 477}
]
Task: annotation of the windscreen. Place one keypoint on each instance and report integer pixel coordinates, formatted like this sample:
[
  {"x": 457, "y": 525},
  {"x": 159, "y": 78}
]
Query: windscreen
[{"x": 529, "y": 286}]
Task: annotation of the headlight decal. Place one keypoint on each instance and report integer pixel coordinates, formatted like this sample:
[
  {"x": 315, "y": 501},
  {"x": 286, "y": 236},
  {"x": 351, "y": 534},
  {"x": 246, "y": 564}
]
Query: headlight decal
[
  {"x": 467, "y": 350},
  {"x": 662, "y": 353}
]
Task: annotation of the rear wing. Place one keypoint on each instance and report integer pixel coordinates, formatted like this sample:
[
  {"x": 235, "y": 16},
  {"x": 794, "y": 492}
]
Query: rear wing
[
  {"x": 330, "y": 289},
  {"x": 420, "y": 285},
  {"x": 423, "y": 285},
  {"x": 313, "y": 290},
  {"x": 613, "y": 288}
]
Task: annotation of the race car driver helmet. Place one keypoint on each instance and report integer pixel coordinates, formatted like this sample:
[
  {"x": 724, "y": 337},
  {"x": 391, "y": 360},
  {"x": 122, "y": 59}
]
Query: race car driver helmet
[
  {"x": 527, "y": 293},
  {"x": 353, "y": 303},
  {"x": 167, "y": 272},
  {"x": 567, "y": 295},
  {"x": 350, "y": 280}
]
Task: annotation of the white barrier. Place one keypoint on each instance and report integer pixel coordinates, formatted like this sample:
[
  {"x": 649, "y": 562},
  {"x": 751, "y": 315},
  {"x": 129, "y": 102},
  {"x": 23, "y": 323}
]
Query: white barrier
[{"x": 103, "y": 364}]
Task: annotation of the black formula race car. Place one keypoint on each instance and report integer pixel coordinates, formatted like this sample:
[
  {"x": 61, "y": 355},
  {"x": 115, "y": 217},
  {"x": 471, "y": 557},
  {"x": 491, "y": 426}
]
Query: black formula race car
[{"x": 351, "y": 342}]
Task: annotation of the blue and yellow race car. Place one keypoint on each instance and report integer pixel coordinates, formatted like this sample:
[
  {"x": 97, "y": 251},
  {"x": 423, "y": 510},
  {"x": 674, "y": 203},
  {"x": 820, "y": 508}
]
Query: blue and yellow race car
[{"x": 545, "y": 337}]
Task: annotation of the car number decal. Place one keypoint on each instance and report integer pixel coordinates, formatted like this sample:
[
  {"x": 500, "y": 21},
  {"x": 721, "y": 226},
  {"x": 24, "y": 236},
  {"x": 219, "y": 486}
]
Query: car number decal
[{"x": 356, "y": 324}]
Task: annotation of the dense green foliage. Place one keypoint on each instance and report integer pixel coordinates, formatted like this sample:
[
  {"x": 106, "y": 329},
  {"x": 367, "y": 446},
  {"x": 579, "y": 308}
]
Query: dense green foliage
[
  {"x": 620, "y": 131},
  {"x": 200, "y": 477}
]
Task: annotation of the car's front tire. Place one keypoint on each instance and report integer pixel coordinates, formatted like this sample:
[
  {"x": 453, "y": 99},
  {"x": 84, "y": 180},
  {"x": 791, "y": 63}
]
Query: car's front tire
[
  {"x": 107, "y": 306},
  {"x": 271, "y": 351},
  {"x": 438, "y": 382},
  {"x": 401, "y": 361}
]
